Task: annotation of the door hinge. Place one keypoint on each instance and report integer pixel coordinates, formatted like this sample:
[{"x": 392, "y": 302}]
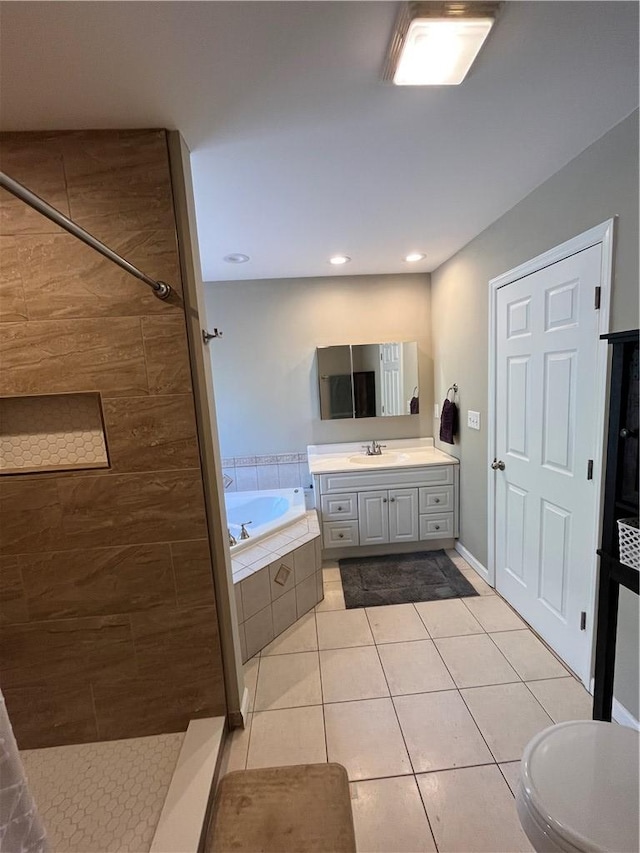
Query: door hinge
[
  {"x": 590, "y": 469},
  {"x": 597, "y": 297},
  {"x": 583, "y": 621}
]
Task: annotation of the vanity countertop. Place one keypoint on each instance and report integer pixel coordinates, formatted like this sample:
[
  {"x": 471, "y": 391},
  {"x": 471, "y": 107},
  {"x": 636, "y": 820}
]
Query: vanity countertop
[{"x": 397, "y": 453}]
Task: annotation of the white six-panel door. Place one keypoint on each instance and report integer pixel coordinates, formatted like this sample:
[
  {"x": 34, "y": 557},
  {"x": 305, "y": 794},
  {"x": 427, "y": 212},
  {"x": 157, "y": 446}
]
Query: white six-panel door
[
  {"x": 547, "y": 431},
  {"x": 391, "y": 361}
]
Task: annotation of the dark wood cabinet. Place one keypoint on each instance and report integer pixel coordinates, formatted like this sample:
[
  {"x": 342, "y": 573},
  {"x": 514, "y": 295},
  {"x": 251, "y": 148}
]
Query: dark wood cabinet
[{"x": 620, "y": 501}]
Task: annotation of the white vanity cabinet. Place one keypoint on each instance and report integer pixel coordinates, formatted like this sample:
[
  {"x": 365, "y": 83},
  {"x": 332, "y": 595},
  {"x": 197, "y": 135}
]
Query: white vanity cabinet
[{"x": 389, "y": 505}]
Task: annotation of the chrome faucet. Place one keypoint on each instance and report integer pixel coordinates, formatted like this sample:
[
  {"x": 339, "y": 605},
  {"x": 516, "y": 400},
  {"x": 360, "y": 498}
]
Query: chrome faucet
[
  {"x": 232, "y": 539},
  {"x": 243, "y": 530},
  {"x": 374, "y": 449}
]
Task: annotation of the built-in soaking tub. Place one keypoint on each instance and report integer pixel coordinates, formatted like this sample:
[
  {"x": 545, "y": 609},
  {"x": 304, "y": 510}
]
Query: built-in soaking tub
[
  {"x": 277, "y": 572},
  {"x": 263, "y": 512}
]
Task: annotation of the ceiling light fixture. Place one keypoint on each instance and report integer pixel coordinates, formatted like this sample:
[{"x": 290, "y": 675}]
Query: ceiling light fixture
[
  {"x": 236, "y": 258},
  {"x": 414, "y": 256},
  {"x": 435, "y": 44},
  {"x": 339, "y": 259}
]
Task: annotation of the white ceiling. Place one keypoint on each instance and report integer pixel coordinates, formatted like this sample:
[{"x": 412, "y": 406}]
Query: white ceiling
[{"x": 300, "y": 151}]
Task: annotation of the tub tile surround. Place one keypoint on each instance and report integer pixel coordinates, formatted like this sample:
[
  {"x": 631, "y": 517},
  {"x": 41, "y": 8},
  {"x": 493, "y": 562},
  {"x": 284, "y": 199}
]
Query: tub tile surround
[
  {"x": 276, "y": 582},
  {"x": 267, "y": 471}
]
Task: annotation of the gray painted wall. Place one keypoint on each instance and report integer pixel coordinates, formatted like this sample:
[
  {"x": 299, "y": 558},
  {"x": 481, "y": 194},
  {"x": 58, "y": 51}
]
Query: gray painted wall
[
  {"x": 600, "y": 183},
  {"x": 264, "y": 367}
]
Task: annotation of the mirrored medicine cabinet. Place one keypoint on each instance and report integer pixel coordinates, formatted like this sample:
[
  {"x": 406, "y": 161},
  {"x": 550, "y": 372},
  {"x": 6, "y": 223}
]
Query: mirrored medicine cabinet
[{"x": 368, "y": 380}]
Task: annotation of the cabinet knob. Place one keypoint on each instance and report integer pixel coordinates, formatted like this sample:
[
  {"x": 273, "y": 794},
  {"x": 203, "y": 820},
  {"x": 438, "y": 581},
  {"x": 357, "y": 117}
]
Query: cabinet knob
[
  {"x": 340, "y": 535},
  {"x": 339, "y": 509},
  {"x": 437, "y": 526},
  {"x": 384, "y": 500},
  {"x": 391, "y": 500},
  {"x": 436, "y": 500}
]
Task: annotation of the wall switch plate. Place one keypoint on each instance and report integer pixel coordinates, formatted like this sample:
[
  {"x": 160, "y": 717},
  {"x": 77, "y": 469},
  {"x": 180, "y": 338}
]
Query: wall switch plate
[
  {"x": 473, "y": 420},
  {"x": 436, "y": 411}
]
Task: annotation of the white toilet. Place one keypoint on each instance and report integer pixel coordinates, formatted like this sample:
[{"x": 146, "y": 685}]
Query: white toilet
[{"x": 579, "y": 788}]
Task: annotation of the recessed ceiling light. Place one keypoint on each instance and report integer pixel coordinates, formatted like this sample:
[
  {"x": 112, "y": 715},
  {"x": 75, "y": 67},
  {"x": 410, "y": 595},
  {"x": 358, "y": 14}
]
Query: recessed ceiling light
[
  {"x": 236, "y": 258},
  {"x": 436, "y": 44},
  {"x": 339, "y": 259},
  {"x": 414, "y": 256}
]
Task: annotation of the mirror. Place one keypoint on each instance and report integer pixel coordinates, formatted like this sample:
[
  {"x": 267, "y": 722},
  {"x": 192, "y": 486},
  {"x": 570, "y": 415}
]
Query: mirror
[{"x": 368, "y": 380}]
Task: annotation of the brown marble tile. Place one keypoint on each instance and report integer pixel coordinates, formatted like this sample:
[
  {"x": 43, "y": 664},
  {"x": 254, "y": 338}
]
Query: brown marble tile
[
  {"x": 125, "y": 509},
  {"x": 51, "y": 714},
  {"x": 167, "y": 354},
  {"x": 118, "y": 178},
  {"x": 151, "y": 433},
  {"x": 136, "y": 707},
  {"x": 31, "y": 516},
  {"x": 193, "y": 573},
  {"x": 35, "y": 160},
  {"x": 97, "y": 581},
  {"x": 65, "y": 279},
  {"x": 13, "y": 307},
  {"x": 13, "y": 605},
  {"x": 72, "y": 650},
  {"x": 182, "y": 643},
  {"x": 73, "y": 355}
]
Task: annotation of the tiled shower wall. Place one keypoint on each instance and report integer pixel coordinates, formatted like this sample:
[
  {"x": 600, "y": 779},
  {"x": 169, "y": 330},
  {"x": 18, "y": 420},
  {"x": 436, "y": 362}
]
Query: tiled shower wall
[{"x": 108, "y": 625}]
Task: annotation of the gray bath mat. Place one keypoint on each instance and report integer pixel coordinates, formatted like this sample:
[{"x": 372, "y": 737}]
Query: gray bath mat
[{"x": 401, "y": 578}]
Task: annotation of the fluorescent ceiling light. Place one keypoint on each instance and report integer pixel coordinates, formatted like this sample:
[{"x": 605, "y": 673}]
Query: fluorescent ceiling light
[
  {"x": 435, "y": 44},
  {"x": 339, "y": 259}
]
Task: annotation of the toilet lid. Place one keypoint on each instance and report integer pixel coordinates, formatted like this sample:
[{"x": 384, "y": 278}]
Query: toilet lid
[{"x": 581, "y": 778}]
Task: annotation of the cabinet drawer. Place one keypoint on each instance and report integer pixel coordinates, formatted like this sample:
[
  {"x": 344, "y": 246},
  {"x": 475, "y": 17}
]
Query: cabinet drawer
[
  {"x": 436, "y": 526},
  {"x": 340, "y": 507},
  {"x": 386, "y": 478},
  {"x": 436, "y": 499},
  {"x": 340, "y": 534}
]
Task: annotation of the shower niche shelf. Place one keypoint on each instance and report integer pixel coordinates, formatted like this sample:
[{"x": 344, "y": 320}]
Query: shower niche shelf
[{"x": 52, "y": 432}]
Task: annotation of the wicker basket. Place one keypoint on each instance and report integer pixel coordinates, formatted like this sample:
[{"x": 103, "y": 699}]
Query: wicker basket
[{"x": 629, "y": 542}]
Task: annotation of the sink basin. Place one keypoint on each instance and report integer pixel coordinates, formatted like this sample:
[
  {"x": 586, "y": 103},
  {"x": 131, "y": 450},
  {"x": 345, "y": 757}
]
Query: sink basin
[{"x": 379, "y": 461}]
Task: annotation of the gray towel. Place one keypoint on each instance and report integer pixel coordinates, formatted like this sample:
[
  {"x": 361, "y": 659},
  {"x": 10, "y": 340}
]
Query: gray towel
[{"x": 448, "y": 422}]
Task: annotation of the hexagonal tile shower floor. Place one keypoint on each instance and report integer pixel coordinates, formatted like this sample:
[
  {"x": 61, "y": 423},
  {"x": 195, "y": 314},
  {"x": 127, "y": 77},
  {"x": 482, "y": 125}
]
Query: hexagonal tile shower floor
[{"x": 106, "y": 796}]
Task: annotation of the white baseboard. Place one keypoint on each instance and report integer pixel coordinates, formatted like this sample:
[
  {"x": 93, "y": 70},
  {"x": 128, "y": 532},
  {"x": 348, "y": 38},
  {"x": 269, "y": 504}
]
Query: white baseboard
[
  {"x": 475, "y": 564},
  {"x": 624, "y": 717},
  {"x": 619, "y": 713}
]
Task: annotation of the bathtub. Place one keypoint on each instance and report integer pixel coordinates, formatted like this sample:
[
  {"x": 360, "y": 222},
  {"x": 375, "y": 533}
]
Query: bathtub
[{"x": 269, "y": 511}]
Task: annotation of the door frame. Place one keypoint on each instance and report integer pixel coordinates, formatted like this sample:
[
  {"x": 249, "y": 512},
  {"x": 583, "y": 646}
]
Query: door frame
[{"x": 603, "y": 235}]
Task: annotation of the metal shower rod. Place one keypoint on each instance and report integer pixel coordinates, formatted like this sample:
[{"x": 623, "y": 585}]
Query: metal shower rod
[{"x": 160, "y": 288}]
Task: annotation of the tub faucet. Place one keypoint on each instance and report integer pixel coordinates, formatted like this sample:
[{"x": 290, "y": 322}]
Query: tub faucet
[
  {"x": 243, "y": 530},
  {"x": 232, "y": 539},
  {"x": 374, "y": 449}
]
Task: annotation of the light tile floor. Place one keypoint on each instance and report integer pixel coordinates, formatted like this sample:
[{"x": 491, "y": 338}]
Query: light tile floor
[{"x": 428, "y": 706}]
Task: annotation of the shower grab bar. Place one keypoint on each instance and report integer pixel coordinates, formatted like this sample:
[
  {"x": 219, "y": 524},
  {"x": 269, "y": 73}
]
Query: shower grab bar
[{"x": 160, "y": 288}]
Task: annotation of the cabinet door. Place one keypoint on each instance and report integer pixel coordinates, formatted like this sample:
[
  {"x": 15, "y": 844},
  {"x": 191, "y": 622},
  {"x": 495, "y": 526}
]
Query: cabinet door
[
  {"x": 339, "y": 507},
  {"x": 403, "y": 515},
  {"x": 373, "y": 517}
]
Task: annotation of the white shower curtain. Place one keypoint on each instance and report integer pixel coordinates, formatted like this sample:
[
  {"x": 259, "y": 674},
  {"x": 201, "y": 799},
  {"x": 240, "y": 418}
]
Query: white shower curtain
[{"x": 21, "y": 830}]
